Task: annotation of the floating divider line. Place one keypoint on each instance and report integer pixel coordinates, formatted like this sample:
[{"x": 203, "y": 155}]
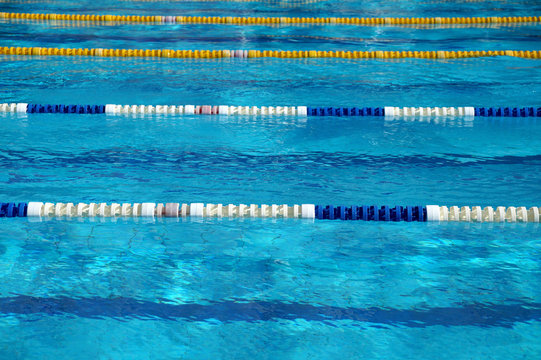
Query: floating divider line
[
  {"x": 387, "y": 111},
  {"x": 79, "y": 24},
  {"x": 304, "y": 211},
  {"x": 303, "y": 54},
  {"x": 237, "y": 20}
]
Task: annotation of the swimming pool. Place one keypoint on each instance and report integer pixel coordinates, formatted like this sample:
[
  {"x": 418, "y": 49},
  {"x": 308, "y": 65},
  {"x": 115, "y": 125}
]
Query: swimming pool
[{"x": 267, "y": 288}]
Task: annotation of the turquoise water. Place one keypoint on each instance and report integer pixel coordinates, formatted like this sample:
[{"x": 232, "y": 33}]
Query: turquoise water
[
  {"x": 197, "y": 289},
  {"x": 264, "y": 289}
]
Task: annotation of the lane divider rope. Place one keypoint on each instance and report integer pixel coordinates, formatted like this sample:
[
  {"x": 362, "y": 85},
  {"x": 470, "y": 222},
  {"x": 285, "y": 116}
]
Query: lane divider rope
[
  {"x": 238, "y": 20},
  {"x": 300, "y": 111},
  {"x": 78, "y": 24},
  {"x": 305, "y": 211},
  {"x": 220, "y": 54}
]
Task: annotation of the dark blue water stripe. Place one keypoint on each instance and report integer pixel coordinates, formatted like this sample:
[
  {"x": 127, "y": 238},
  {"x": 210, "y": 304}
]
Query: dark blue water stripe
[
  {"x": 185, "y": 158},
  {"x": 476, "y": 314}
]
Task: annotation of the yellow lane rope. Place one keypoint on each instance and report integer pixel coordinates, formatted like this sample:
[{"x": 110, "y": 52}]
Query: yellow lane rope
[
  {"x": 79, "y": 24},
  {"x": 235, "y": 20},
  {"x": 217, "y": 54}
]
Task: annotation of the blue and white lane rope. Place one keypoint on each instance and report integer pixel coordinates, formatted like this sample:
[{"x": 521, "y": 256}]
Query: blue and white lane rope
[
  {"x": 300, "y": 111},
  {"x": 305, "y": 211}
]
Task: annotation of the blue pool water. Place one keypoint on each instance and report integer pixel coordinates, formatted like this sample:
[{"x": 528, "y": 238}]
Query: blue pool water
[{"x": 233, "y": 289}]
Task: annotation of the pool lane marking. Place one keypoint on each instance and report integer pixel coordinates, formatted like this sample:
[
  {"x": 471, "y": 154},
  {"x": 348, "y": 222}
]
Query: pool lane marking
[
  {"x": 418, "y": 213},
  {"x": 242, "y": 20},
  {"x": 244, "y": 54},
  {"x": 389, "y": 112},
  {"x": 247, "y": 310}
]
